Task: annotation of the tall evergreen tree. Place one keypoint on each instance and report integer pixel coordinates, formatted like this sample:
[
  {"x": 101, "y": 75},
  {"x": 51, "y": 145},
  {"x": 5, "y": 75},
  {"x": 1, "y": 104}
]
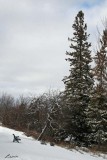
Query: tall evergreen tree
[
  {"x": 97, "y": 110},
  {"x": 79, "y": 83}
]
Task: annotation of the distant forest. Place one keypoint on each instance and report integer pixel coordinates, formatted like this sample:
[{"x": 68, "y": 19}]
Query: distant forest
[{"x": 76, "y": 116}]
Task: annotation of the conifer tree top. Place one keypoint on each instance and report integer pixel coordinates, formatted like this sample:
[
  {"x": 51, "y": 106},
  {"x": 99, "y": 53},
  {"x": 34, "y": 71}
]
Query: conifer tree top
[{"x": 80, "y": 78}]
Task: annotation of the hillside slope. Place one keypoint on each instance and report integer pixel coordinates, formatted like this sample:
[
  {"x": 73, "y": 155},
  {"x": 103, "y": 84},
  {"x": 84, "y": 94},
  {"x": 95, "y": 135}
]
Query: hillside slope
[{"x": 29, "y": 149}]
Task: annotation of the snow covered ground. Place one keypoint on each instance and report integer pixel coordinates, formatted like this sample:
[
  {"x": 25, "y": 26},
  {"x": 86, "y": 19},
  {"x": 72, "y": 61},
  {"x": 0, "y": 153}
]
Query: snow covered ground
[{"x": 29, "y": 149}]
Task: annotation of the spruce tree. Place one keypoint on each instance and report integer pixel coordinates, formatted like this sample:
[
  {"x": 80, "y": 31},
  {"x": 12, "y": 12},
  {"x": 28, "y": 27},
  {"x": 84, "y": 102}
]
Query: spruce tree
[
  {"x": 97, "y": 110},
  {"x": 79, "y": 83}
]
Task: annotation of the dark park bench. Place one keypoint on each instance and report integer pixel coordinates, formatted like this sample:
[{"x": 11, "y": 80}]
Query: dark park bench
[{"x": 16, "y": 138}]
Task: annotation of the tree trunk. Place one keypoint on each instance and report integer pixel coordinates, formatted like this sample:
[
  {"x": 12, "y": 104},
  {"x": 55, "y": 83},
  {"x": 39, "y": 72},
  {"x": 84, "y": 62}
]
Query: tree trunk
[{"x": 43, "y": 131}]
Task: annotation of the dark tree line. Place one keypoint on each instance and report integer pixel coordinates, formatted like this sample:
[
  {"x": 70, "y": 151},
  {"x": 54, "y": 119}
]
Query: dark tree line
[
  {"x": 79, "y": 113},
  {"x": 41, "y": 114}
]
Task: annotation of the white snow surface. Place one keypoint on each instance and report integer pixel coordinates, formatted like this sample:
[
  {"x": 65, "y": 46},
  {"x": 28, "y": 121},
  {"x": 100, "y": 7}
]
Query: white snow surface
[{"x": 30, "y": 149}]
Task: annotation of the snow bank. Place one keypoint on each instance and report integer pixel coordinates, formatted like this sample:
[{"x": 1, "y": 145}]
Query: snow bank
[{"x": 29, "y": 149}]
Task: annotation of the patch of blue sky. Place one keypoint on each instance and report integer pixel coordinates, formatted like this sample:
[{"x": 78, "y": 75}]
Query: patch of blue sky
[{"x": 91, "y": 3}]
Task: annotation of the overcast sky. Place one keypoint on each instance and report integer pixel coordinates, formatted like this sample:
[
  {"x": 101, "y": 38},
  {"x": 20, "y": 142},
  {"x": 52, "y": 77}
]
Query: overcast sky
[{"x": 33, "y": 41}]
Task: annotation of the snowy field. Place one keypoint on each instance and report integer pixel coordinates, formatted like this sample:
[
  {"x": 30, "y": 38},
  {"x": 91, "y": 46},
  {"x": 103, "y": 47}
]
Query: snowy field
[{"x": 29, "y": 149}]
